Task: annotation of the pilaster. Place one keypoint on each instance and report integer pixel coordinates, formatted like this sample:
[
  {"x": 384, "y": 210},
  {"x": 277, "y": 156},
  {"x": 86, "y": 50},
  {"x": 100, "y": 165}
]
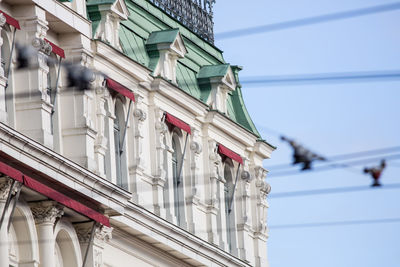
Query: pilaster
[
  {"x": 137, "y": 161},
  {"x": 213, "y": 200},
  {"x": 244, "y": 222},
  {"x": 101, "y": 144},
  {"x": 33, "y": 106},
  {"x": 194, "y": 215},
  {"x": 78, "y": 129},
  {"x": 260, "y": 205}
]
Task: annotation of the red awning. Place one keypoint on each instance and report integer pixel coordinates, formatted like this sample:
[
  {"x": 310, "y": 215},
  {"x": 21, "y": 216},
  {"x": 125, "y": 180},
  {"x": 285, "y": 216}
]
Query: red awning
[
  {"x": 53, "y": 194},
  {"x": 178, "y": 123},
  {"x": 56, "y": 49},
  {"x": 11, "y": 172},
  {"x": 120, "y": 88},
  {"x": 11, "y": 21},
  {"x": 229, "y": 153}
]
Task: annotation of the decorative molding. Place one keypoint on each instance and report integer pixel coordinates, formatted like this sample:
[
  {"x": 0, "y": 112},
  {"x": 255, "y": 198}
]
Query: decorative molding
[
  {"x": 41, "y": 45},
  {"x": 195, "y": 147},
  {"x": 245, "y": 175},
  {"x": 140, "y": 114},
  {"x": 5, "y": 186},
  {"x": 46, "y": 211},
  {"x": 2, "y": 20}
]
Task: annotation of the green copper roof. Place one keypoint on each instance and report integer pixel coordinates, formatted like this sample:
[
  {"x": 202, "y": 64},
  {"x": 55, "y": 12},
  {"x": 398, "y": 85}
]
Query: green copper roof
[
  {"x": 147, "y": 26},
  {"x": 99, "y": 2},
  {"x": 160, "y": 37},
  {"x": 213, "y": 71}
]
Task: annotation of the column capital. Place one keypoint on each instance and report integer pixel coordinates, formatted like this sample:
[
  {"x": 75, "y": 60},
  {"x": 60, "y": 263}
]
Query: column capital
[
  {"x": 5, "y": 186},
  {"x": 102, "y": 233},
  {"x": 46, "y": 211},
  {"x": 2, "y": 20}
]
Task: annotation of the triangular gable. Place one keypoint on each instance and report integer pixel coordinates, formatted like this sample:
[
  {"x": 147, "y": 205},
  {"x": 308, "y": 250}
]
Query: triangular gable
[
  {"x": 179, "y": 46},
  {"x": 169, "y": 39},
  {"x": 119, "y": 7}
]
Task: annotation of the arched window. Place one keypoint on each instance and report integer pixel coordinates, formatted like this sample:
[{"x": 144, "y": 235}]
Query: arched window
[
  {"x": 229, "y": 206},
  {"x": 119, "y": 148},
  {"x": 179, "y": 200}
]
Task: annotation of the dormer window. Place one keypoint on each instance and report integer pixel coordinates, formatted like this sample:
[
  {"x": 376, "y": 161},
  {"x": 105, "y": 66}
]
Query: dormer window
[
  {"x": 216, "y": 81},
  {"x": 164, "y": 49}
]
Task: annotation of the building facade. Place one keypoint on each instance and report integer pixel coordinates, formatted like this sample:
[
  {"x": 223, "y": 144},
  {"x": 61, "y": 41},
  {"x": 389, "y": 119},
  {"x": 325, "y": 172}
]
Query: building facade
[{"x": 124, "y": 139}]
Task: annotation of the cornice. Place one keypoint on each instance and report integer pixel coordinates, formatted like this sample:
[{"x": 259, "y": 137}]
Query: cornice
[
  {"x": 59, "y": 168},
  {"x": 142, "y": 221}
]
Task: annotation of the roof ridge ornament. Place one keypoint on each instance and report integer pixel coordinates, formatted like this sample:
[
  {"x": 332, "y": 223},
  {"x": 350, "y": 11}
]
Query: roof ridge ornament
[{"x": 197, "y": 15}]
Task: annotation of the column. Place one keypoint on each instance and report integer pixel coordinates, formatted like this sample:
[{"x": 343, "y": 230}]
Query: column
[
  {"x": 46, "y": 214},
  {"x": 5, "y": 186},
  {"x": 102, "y": 235}
]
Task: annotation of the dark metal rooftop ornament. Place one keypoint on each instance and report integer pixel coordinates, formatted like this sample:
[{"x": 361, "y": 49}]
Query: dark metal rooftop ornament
[{"x": 197, "y": 15}]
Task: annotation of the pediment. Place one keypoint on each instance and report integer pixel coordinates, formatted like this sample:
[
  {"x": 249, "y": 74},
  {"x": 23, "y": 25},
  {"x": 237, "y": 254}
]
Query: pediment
[
  {"x": 178, "y": 46},
  {"x": 229, "y": 79},
  {"x": 119, "y": 7}
]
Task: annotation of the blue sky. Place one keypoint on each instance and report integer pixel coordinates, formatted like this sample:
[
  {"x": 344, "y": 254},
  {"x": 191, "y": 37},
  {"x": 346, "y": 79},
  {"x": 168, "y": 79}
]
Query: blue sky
[{"x": 332, "y": 118}]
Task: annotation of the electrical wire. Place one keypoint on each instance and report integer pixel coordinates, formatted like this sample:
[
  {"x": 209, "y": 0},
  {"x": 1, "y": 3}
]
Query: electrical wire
[
  {"x": 307, "y": 21},
  {"x": 378, "y": 75},
  {"x": 333, "y": 166},
  {"x": 335, "y": 223},
  {"x": 332, "y": 191},
  {"x": 373, "y": 152}
]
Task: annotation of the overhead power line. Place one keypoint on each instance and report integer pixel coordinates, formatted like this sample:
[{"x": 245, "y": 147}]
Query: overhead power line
[
  {"x": 331, "y": 191},
  {"x": 342, "y": 77},
  {"x": 336, "y": 223},
  {"x": 307, "y": 21},
  {"x": 334, "y": 166},
  {"x": 373, "y": 152}
]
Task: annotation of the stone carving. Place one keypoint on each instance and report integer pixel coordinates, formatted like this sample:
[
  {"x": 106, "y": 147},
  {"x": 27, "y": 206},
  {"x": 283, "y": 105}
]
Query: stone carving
[
  {"x": 5, "y": 186},
  {"x": 195, "y": 147},
  {"x": 103, "y": 234},
  {"x": 2, "y": 20},
  {"x": 46, "y": 211},
  {"x": 262, "y": 190},
  {"x": 140, "y": 114},
  {"x": 246, "y": 176},
  {"x": 42, "y": 45}
]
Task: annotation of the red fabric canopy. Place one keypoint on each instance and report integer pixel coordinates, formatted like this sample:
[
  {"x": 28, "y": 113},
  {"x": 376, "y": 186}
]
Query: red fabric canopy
[
  {"x": 53, "y": 194},
  {"x": 11, "y": 172},
  {"x": 66, "y": 201},
  {"x": 120, "y": 88},
  {"x": 229, "y": 153},
  {"x": 178, "y": 123},
  {"x": 56, "y": 49},
  {"x": 11, "y": 21}
]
